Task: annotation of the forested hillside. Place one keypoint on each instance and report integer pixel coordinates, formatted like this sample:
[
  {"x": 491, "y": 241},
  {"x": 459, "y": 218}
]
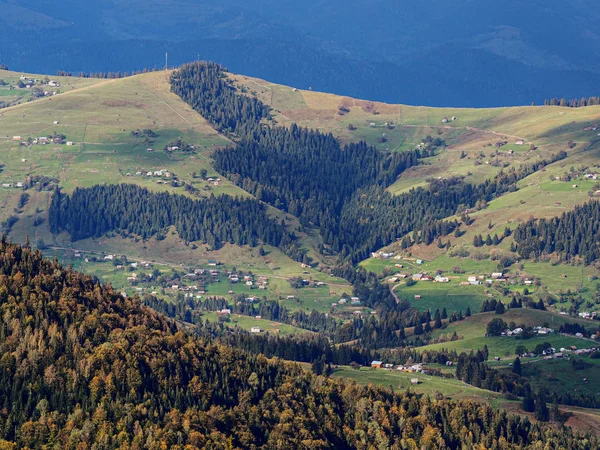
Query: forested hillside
[
  {"x": 84, "y": 367},
  {"x": 129, "y": 208},
  {"x": 574, "y": 234},
  {"x": 339, "y": 189}
]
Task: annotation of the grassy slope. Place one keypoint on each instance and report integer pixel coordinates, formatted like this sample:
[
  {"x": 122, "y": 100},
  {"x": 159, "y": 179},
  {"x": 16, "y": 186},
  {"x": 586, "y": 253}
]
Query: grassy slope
[
  {"x": 472, "y": 330},
  {"x": 99, "y": 117}
]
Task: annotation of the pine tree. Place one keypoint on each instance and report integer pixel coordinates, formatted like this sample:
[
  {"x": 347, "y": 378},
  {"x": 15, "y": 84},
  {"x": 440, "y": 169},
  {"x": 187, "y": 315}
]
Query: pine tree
[
  {"x": 517, "y": 366},
  {"x": 541, "y": 409},
  {"x": 528, "y": 402}
]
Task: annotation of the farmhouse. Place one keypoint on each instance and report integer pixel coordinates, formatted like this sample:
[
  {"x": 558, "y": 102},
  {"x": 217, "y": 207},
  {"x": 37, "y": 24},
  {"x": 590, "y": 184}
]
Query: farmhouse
[
  {"x": 377, "y": 364},
  {"x": 255, "y": 330},
  {"x": 441, "y": 279},
  {"x": 16, "y": 138}
]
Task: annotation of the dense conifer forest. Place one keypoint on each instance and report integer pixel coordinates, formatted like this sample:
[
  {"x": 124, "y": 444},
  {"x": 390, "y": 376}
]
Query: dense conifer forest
[
  {"x": 574, "y": 234},
  {"x": 84, "y": 367},
  {"x": 128, "y": 208}
]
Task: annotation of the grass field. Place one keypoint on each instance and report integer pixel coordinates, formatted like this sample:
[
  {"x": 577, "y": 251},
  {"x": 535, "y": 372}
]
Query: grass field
[
  {"x": 560, "y": 376},
  {"x": 451, "y": 296},
  {"x": 473, "y": 329},
  {"x": 428, "y": 385},
  {"x": 246, "y": 323}
]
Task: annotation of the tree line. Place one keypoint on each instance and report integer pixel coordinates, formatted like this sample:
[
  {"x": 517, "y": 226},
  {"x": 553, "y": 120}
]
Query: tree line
[
  {"x": 106, "y": 75},
  {"x": 574, "y": 102}
]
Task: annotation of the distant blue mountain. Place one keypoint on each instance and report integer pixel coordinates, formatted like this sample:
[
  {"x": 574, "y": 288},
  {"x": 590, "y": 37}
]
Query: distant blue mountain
[{"x": 461, "y": 53}]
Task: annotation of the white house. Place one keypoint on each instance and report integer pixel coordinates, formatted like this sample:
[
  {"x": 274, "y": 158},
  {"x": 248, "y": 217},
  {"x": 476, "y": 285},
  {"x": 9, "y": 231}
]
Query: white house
[{"x": 255, "y": 330}]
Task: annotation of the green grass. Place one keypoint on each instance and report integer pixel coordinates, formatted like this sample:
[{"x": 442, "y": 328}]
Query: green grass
[
  {"x": 475, "y": 326},
  {"x": 505, "y": 346},
  {"x": 428, "y": 385},
  {"x": 247, "y": 322},
  {"x": 451, "y": 296},
  {"x": 473, "y": 330},
  {"x": 559, "y": 375}
]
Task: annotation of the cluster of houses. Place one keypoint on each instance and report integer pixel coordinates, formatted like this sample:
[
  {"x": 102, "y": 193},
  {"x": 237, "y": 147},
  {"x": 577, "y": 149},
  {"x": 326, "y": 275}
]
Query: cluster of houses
[
  {"x": 18, "y": 185},
  {"x": 587, "y": 314},
  {"x": 552, "y": 353},
  {"x": 163, "y": 173},
  {"x": 354, "y": 301},
  {"x": 29, "y": 82},
  {"x": 44, "y": 140},
  {"x": 248, "y": 280},
  {"x": 537, "y": 330},
  {"x": 408, "y": 368},
  {"x": 381, "y": 255},
  {"x": 214, "y": 181}
]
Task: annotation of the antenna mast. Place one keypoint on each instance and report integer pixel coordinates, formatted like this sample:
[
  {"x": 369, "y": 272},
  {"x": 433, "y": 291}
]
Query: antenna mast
[{"x": 166, "y": 61}]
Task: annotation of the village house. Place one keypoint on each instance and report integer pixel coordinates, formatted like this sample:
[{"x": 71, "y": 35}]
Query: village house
[
  {"x": 255, "y": 330},
  {"x": 377, "y": 364},
  {"x": 441, "y": 279}
]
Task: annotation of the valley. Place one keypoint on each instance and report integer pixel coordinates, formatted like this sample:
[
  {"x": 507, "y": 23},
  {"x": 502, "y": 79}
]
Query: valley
[{"x": 365, "y": 274}]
